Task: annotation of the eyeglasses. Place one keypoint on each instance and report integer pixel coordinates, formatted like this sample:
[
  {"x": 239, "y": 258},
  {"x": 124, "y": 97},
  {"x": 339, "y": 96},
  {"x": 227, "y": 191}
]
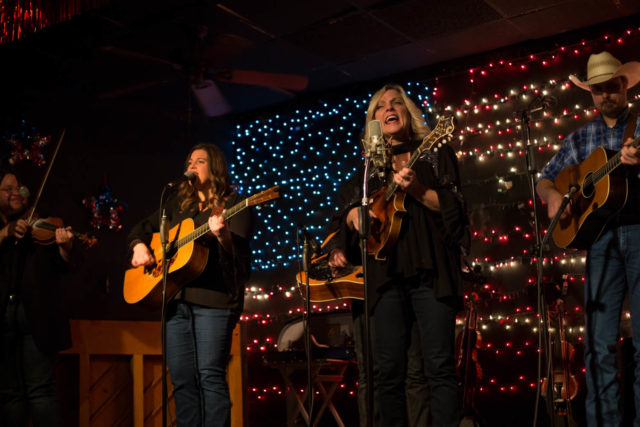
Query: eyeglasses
[{"x": 611, "y": 86}]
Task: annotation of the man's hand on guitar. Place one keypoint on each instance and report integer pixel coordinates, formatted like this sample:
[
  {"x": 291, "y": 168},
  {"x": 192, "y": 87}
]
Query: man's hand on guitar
[
  {"x": 629, "y": 155},
  {"x": 553, "y": 204},
  {"x": 337, "y": 259},
  {"x": 142, "y": 256}
]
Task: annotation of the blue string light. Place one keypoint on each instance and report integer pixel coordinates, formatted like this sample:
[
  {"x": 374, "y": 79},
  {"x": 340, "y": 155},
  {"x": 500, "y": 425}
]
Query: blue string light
[{"x": 309, "y": 152}]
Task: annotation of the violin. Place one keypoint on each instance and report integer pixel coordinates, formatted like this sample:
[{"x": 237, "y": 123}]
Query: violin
[
  {"x": 43, "y": 232},
  {"x": 467, "y": 366},
  {"x": 564, "y": 383}
]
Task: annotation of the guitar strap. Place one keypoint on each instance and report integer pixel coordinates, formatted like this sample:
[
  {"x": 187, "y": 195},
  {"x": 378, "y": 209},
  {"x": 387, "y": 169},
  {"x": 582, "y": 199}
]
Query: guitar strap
[{"x": 630, "y": 129}]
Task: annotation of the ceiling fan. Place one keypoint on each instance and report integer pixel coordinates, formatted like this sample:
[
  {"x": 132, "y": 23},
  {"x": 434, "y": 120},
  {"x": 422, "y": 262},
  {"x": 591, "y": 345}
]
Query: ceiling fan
[{"x": 206, "y": 69}]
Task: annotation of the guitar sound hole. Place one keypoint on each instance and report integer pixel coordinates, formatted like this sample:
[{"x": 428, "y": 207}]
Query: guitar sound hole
[{"x": 587, "y": 189}]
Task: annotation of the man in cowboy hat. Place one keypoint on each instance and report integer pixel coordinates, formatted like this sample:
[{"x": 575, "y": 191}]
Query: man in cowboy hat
[{"x": 612, "y": 267}]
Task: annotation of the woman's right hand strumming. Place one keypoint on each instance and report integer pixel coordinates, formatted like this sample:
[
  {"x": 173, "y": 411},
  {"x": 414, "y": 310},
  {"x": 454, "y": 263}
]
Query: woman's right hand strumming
[{"x": 142, "y": 256}]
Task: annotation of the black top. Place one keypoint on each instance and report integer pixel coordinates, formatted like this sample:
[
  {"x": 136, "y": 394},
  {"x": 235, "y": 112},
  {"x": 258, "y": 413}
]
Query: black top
[
  {"x": 221, "y": 284},
  {"x": 36, "y": 274},
  {"x": 425, "y": 247}
]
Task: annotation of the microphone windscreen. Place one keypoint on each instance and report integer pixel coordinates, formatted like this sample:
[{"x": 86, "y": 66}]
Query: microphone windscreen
[
  {"x": 375, "y": 129},
  {"x": 24, "y": 192},
  {"x": 190, "y": 175}
]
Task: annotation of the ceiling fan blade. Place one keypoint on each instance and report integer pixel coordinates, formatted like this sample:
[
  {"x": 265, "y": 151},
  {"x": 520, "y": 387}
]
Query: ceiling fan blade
[
  {"x": 210, "y": 98},
  {"x": 130, "y": 89},
  {"x": 140, "y": 56},
  {"x": 262, "y": 78},
  {"x": 222, "y": 49}
]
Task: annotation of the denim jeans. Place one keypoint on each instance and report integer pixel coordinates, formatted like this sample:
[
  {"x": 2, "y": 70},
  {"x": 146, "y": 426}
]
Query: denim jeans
[
  {"x": 198, "y": 347},
  {"x": 435, "y": 319},
  {"x": 612, "y": 269},
  {"x": 27, "y": 376},
  {"x": 416, "y": 386}
]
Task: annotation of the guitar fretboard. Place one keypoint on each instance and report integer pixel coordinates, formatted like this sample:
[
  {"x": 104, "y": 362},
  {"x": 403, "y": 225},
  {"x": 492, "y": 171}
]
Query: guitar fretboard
[
  {"x": 204, "y": 228},
  {"x": 608, "y": 167}
]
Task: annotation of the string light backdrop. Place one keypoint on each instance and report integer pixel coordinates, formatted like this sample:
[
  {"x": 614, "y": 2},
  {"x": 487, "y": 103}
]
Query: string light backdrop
[{"x": 310, "y": 150}]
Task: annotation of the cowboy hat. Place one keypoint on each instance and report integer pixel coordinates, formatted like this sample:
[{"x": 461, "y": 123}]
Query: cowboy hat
[{"x": 603, "y": 66}]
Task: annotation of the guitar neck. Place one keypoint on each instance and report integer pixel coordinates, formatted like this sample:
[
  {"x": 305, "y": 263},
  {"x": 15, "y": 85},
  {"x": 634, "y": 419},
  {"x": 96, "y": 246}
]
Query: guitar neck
[
  {"x": 204, "y": 228},
  {"x": 608, "y": 167}
]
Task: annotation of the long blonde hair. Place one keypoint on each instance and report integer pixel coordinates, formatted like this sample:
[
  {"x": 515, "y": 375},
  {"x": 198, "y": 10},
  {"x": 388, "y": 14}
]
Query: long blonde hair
[
  {"x": 419, "y": 129},
  {"x": 221, "y": 185}
]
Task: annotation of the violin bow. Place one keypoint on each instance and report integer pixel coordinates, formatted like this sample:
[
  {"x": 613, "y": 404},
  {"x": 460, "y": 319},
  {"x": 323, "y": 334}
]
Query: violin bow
[{"x": 46, "y": 176}]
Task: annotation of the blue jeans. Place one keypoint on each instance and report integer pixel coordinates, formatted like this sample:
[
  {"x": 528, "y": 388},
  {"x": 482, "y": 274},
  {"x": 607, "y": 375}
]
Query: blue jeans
[
  {"x": 612, "y": 269},
  {"x": 27, "y": 376},
  {"x": 198, "y": 347},
  {"x": 435, "y": 319}
]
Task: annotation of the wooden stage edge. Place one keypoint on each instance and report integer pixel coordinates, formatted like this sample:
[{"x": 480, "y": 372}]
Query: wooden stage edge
[{"x": 119, "y": 372}]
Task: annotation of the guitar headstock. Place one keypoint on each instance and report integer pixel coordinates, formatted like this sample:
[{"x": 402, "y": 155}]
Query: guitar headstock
[
  {"x": 439, "y": 135},
  {"x": 264, "y": 196}
]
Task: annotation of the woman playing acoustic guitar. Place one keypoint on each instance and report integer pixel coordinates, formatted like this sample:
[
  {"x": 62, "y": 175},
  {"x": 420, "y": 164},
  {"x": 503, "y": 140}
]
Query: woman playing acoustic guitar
[{"x": 203, "y": 314}]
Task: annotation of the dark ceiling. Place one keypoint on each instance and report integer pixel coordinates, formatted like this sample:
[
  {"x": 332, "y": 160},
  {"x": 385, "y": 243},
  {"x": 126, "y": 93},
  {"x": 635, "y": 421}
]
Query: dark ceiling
[{"x": 150, "y": 52}]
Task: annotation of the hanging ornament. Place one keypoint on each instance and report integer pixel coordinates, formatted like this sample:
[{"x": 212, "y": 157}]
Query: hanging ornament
[
  {"x": 106, "y": 210},
  {"x": 26, "y": 144}
]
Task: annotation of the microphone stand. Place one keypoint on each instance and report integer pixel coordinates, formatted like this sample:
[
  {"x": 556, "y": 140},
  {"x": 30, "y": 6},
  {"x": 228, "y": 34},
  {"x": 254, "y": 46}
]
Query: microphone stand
[
  {"x": 363, "y": 233},
  {"x": 543, "y": 327},
  {"x": 164, "y": 237},
  {"x": 306, "y": 264}
]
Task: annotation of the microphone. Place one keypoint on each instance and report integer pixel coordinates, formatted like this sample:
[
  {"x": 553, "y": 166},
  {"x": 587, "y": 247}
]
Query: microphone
[
  {"x": 308, "y": 237},
  {"x": 24, "y": 192},
  {"x": 573, "y": 189},
  {"x": 545, "y": 102},
  {"x": 566, "y": 199},
  {"x": 188, "y": 176},
  {"x": 309, "y": 248},
  {"x": 375, "y": 147}
]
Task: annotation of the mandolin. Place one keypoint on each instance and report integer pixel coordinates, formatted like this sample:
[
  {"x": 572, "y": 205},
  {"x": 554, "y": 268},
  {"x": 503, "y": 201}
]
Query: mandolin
[{"x": 388, "y": 203}]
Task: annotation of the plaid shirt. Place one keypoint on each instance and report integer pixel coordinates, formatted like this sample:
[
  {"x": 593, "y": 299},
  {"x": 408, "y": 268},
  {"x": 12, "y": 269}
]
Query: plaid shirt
[{"x": 579, "y": 144}]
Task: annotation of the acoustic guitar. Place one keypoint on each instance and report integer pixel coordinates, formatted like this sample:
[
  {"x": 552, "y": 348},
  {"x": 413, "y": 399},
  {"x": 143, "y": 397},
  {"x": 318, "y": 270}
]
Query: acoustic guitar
[
  {"x": 388, "y": 203},
  {"x": 602, "y": 194},
  {"x": 327, "y": 284},
  {"x": 186, "y": 259}
]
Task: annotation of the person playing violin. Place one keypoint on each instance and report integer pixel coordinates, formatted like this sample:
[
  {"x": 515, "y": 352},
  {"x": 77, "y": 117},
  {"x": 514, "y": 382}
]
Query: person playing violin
[
  {"x": 202, "y": 316},
  {"x": 420, "y": 278},
  {"x": 34, "y": 328}
]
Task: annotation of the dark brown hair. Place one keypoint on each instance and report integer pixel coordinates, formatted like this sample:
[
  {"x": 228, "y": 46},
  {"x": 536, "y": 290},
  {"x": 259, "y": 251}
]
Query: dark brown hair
[{"x": 221, "y": 185}]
